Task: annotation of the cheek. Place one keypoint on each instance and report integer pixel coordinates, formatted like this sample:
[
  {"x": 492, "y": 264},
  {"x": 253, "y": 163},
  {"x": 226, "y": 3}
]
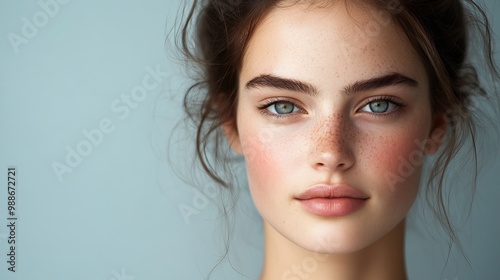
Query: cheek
[
  {"x": 394, "y": 162},
  {"x": 261, "y": 169},
  {"x": 270, "y": 156},
  {"x": 391, "y": 153},
  {"x": 397, "y": 149}
]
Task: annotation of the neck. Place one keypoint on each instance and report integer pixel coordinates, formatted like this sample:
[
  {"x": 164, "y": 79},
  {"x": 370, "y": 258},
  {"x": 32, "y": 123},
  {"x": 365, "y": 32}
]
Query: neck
[{"x": 383, "y": 259}]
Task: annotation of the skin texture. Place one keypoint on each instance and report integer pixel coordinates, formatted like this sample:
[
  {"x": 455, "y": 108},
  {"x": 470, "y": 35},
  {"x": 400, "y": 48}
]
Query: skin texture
[{"x": 331, "y": 137}]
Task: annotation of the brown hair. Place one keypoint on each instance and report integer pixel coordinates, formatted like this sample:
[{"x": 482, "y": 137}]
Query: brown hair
[{"x": 438, "y": 30}]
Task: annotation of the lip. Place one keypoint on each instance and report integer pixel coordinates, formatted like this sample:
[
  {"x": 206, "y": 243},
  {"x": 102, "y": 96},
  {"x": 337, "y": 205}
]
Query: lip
[{"x": 332, "y": 200}]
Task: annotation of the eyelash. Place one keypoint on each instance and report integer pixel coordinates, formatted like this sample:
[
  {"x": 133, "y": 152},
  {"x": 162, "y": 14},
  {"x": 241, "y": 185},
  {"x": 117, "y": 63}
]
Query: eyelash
[
  {"x": 390, "y": 99},
  {"x": 273, "y": 101},
  {"x": 263, "y": 108}
]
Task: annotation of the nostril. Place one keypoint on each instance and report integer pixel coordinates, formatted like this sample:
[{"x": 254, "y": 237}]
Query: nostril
[{"x": 331, "y": 161}]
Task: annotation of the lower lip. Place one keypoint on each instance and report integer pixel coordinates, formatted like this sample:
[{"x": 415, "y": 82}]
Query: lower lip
[{"x": 332, "y": 207}]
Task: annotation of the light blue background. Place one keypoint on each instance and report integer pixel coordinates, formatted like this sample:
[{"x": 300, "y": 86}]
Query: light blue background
[{"x": 117, "y": 214}]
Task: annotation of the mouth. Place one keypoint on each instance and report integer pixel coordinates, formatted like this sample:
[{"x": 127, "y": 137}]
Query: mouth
[{"x": 332, "y": 200}]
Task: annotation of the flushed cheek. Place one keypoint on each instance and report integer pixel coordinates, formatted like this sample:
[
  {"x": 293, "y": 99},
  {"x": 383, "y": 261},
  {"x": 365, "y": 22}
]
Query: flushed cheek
[
  {"x": 270, "y": 161},
  {"x": 395, "y": 162},
  {"x": 392, "y": 155}
]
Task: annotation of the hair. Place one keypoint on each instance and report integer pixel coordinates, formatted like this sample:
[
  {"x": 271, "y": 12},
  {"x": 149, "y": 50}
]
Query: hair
[{"x": 440, "y": 32}]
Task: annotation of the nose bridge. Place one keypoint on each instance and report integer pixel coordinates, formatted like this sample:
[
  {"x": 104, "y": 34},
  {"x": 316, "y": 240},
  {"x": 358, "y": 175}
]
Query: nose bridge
[
  {"x": 330, "y": 133},
  {"x": 330, "y": 147}
]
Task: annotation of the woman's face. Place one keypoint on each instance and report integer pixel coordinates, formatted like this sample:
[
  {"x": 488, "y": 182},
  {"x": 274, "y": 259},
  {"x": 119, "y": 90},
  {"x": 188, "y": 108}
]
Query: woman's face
[{"x": 335, "y": 103}]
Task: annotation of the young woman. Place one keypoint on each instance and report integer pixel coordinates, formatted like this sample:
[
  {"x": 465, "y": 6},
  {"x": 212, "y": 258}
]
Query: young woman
[{"x": 335, "y": 106}]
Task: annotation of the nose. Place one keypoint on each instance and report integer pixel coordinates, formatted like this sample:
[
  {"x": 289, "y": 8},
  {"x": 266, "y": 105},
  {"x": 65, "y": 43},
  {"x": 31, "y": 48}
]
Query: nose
[{"x": 331, "y": 148}]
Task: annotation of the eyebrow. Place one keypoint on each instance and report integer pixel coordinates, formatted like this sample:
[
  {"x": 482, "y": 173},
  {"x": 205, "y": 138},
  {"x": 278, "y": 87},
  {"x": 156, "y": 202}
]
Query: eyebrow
[
  {"x": 272, "y": 81},
  {"x": 392, "y": 79}
]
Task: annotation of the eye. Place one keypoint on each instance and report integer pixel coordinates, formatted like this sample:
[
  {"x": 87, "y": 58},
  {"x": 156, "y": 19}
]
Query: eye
[
  {"x": 380, "y": 106},
  {"x": 282, "y": 107}
]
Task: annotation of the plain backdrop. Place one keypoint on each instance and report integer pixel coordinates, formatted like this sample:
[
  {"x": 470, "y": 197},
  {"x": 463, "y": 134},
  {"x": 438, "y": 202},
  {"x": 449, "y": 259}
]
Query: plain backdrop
[{"x": 88, "y": 100}]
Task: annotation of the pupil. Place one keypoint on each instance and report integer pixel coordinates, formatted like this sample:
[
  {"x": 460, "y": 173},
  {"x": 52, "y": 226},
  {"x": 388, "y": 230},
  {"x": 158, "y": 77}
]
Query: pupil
[
  {"x": 283, "y": 108},
  {"x": 379, "y": 106}
]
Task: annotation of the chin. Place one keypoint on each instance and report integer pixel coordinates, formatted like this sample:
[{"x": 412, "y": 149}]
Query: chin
[
  {"x": 344, "y": 238},
  {"x": 335, "y": 242}
]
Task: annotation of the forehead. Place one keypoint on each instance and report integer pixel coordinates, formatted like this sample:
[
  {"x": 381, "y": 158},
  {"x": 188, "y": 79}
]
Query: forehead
[{"x": 348, "y": 41}]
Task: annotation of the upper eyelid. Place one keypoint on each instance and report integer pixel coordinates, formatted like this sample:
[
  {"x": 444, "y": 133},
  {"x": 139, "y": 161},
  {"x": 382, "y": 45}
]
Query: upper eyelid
[
  {"x": 380, "y": 97},
  {"x": 274, "y": 100},
  {"x": 391, "y": 99}
]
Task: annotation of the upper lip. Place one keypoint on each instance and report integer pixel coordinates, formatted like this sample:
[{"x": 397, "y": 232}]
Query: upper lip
[{"x": 332, "y": 191}]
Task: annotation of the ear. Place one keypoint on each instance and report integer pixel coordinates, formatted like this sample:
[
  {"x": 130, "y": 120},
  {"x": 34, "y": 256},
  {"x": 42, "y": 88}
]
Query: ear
[
  {"x": 437, "y": 133},
  {"x": 232, "y": 136}
]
